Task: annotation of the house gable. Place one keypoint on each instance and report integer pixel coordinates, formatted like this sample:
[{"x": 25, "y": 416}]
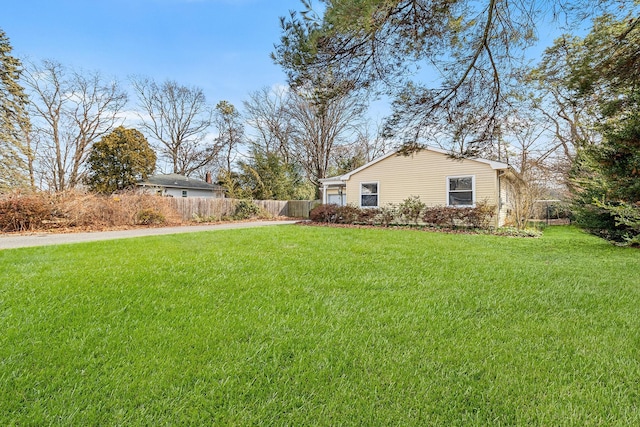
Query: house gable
[{"x": 425, "y": 173}]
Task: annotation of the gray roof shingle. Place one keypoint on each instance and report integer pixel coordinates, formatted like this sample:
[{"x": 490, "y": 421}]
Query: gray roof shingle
[{"x": 178, "y": 181}]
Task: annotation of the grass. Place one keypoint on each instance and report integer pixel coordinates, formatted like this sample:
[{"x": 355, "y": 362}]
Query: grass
[{"x": 318, "y": 326}]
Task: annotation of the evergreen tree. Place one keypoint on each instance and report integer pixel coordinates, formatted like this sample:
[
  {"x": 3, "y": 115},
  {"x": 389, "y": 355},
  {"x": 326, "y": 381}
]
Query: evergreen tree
[
  {"x": 607, "y": 174},
  {"x": 118, "y": 160},
  {"x": 449, "y": 64},
  {"x": 268, "y": 177},
  {"x": 14, "y": 121}
]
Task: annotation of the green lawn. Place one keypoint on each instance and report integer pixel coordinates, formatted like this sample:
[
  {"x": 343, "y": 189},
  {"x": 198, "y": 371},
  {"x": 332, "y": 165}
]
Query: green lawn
[{"x": 302, "y": 326}]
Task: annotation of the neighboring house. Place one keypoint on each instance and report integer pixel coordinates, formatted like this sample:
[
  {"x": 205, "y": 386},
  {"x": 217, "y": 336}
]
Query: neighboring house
[
  {"x": 429, "y": 173},
  {"x": 174, "y": 185}
]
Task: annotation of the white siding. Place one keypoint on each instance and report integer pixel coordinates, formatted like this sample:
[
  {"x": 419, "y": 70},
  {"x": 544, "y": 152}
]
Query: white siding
[{"x": 177, "y": 192}]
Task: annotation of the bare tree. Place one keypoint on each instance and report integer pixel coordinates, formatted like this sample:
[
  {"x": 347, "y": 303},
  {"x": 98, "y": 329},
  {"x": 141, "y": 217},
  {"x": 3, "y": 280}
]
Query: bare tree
[
  {"x": 324, "y": 116},
  {"x": 531, "y": 154},
  {"x": 267, "y": 116},
  {"x": 318, "y": 126},
  {"x": 178, "y": 119},
  {"x": 230, "y": 133},
  {"x": 70, "y": 110},
  {"x": 372, "y": 142}
]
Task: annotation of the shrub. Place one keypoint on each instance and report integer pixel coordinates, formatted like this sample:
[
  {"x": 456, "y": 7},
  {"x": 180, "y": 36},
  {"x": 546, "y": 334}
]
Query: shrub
[
  {"x": 150, "y": 217},
  {"x": 324, "y": 213},
  {"x": 480, "y": 216},
  {"x": 627, "y": 220},
  {"x": 22, "y": 212},
  {"x": 387, "y": 214},
  {"x": 368, "y": 216},
  {"x": 75, "y": 209},
  {"x": 441, "y": 216},
  {"x": 86, "y": 210},
  {"x": 600, "y": 222},
  {"x": 348, "y": 214},
  {"x": 245, "y": 209},
  {"x": 410, "y": 209}
]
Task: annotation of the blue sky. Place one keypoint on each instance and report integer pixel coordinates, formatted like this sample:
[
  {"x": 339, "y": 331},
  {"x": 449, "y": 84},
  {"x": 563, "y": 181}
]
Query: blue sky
[{"x": 221, "y": 46}]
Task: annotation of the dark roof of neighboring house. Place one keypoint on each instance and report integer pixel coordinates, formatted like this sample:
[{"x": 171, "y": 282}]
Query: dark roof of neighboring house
[{"x": 178, "y": 181}]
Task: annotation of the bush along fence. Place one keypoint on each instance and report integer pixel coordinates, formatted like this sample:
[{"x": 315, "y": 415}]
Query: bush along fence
[{"x": 78, "y": 210}]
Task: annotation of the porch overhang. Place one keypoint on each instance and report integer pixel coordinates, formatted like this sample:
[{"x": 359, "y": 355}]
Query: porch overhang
[{"x": 333, "y": 183}]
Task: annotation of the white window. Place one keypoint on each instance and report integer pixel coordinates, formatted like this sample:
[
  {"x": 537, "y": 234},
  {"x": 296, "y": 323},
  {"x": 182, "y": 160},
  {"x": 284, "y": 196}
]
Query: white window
[
  {"x": 369, "y": 195},
  {"x": 461, "y": 191},
  {"x": 184, "y": 193}
]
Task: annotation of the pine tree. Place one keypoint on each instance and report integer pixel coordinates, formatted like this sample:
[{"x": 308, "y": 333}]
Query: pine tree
[{"x": 14, "y": 121}]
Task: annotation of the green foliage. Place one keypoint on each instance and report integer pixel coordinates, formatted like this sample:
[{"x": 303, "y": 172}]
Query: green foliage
[
  {"x": 266, "y": 176},
  {"x": 230, "y": 128},
  {"x": 606, "y": 176},
  {"x": 517, "y": 232},
  {"x": 230, "y": 180},
  {"x": 246, "y": 209},
  {"x": 626, "y": 219},
  {"x": 410, "y": 209},
  {"x": 14, "y": 121},
  {"x": 387, "y": 214},
  {"x": 470, "y": 47},
  {"x": 618, "y": 157},
  {"x": 118, "y": 160}
]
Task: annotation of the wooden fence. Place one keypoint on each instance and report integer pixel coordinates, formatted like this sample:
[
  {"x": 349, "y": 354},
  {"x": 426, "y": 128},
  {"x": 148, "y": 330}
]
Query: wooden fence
[
  {"x": 205, "y": 209},
  {"x": 301, "y": 208}
]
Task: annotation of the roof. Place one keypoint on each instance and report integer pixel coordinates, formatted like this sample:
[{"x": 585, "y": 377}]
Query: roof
[
  {"x": 334, "y": 180},
  {"x": 178, "y": 181}
]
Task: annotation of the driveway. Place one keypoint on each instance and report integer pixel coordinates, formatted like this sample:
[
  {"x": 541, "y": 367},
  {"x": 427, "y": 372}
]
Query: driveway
[{"x": 11, "y": 241}]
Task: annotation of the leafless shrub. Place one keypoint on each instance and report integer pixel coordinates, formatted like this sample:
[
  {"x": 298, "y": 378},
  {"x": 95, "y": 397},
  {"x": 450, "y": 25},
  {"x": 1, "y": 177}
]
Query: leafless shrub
[
  {"x": 24, "y": 212},
  {"x": 74, "y": 209}
]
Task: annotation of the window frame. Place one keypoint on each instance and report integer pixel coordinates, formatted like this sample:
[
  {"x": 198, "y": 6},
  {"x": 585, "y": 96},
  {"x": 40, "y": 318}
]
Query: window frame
[
  {"x": 185, "y": 193},
  {"x": 473, "y": 190},
  {"x": 377, "y": 194}
]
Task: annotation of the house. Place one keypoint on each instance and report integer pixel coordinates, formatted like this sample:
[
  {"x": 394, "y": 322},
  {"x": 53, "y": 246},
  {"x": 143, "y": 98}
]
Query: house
[
  {"x": 174, "y": 185},
  {"x": 430, "y": 173}
]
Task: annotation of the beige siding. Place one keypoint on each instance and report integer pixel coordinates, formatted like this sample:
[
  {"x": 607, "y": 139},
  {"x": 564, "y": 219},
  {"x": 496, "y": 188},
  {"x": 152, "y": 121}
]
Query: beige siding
[{"x": 422, "y": 174}]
